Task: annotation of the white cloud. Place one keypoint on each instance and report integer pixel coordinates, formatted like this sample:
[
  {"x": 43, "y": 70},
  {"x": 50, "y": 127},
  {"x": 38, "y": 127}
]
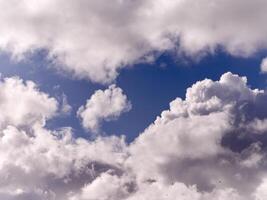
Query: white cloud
[
  {"x": 186, "y": 144},
  {"x": 37, "y": 163},
  {"x": 159, "y": 191},
  {"x": 261, "y": 191},
  {"x": 264, "y": 65},
  {"x": 94, "y": 39},
  {"x": 23, "y": 104},
  {"x": 104, "y": 187},
  {"x": 182, "y": 155},
  {"x": 52, "y": 162},
  {"x": 103, "y": 105}
]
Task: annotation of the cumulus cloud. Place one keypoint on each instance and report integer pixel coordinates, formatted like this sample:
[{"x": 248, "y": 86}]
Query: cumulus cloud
[
  {"x": 210, "y": 145},
  {"x": 21, "y": 103},
  {"x": 103, "y": 105},
  {"x": 94, "y": 39},
  {"x": 48, "y": 164},
  {"x": 190, "y": 143},
  {"x": 38, "y": 163}
]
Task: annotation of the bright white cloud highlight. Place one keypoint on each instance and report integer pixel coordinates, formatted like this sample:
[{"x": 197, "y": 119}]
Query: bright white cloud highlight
[
  {"x": 103, "y": 105},
  {"x": 264, "y": 65},
  {"x": 94, "y": 39}
]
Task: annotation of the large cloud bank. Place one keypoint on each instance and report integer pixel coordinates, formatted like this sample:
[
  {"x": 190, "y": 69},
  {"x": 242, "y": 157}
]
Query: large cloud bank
[
  {"x": 94, "y": 39},
  {"x": 209, "y": 146}
]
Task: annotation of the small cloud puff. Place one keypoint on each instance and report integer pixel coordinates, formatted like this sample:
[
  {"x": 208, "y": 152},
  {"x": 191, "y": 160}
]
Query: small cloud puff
[
  {"x": 264, "y": 65},
  {"x": 103, "y": 105}
]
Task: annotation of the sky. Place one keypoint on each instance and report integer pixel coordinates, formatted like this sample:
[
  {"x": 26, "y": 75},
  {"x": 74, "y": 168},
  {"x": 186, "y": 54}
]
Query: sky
[{"x": 133, "y": 100}]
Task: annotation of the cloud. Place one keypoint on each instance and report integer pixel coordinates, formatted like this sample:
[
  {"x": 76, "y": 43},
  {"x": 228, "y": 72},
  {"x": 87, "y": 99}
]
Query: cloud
[
  {"x": 21, "y": 103},
  {"x": 95, "y": 39},
  {"x": 46, "y": 163},
  {"x": 38, "y": 163},
  {"x": 261, "y": 193},
  {"x": 264, "y": 65},
  {"x": 210, "y": 145},
  {"x": 65, "y": 106},
  {"x": 114, "y": 187},
  {"x": 103, "y": 105},
  {"x": 190, "y": 143}
]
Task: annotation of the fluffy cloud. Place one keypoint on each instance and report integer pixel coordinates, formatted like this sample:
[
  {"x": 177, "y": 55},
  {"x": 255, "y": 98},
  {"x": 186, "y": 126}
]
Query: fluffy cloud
[
  {"x": 211, "y": 145},
  {"x": 94, "y": 39},
  {"x": 103, "y": 105},
  {"x": 206, "y": 140},
  {"x": 46, "y": 163},
  {"x": 37, "y": 163},
  {"x": 22, "y": 103},
  {"x": 114, "y": 187}
]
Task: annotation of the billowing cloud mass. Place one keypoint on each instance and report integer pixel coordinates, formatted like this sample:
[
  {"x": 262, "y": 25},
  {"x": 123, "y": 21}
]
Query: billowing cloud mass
[
  {"x": 94, "y": 39},
  {"x": 103, "y": 105},
  {"x": 37, "y": 163},
  {"x": 211, "y": 145}
]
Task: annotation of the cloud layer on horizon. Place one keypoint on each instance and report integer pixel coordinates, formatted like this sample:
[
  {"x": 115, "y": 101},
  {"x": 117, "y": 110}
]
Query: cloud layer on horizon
[
  {"x": 211, "y": 145},
  {"x": 95, "y": 39}
]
